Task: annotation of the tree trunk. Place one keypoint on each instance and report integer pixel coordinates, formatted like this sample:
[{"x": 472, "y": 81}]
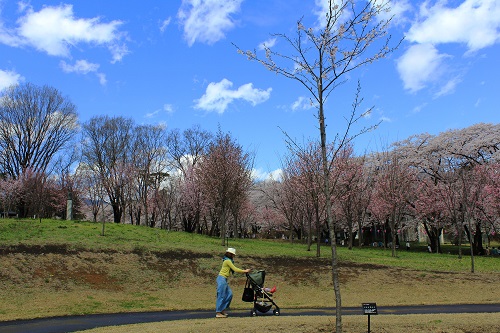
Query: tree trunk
[
  {"x": 351, "y": 235},
  {"x": 459, "y": 230},
  {"x": 471, "y": 244},
  {"x": 433, "y": 234},
  {"x": 318, "y": 241},
  {"x": 327, "y": 191},
  {"x": 478, "y": 239},
  {"x": 117, "y": 213},
  {"x": 318, "y": 228}
]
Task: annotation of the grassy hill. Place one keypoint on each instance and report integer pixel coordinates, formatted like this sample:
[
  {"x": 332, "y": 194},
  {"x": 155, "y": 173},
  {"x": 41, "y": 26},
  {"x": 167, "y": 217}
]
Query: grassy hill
[{"x": 66, "y": 267}]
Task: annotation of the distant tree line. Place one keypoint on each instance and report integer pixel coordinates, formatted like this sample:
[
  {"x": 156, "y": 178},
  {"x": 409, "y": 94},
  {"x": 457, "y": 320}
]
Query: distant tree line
[
  {"x": 201, "y": 182},
  {"x": 447, "y": 183}
]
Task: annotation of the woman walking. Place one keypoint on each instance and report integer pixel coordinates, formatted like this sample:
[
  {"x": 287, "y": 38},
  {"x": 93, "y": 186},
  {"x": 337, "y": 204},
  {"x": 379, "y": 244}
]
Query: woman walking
[{"x": 224, "y": 292}]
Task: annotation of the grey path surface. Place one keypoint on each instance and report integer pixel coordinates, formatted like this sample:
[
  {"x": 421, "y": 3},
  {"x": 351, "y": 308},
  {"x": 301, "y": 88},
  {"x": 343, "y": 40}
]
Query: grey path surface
[{"x": 79, "y": 323}]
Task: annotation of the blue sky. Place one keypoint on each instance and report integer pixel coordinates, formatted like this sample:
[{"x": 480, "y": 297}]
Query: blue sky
[{"x": 173, "y": 62}]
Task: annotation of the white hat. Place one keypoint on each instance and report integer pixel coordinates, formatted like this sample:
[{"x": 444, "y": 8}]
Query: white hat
[{"x": 231, "y": 250}]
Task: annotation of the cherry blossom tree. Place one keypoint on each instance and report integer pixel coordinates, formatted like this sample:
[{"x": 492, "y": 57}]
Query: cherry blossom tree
[
  {"x": 430, "y": 208},
  {"x": 41, "y": 196},
  {"x": 193, "y": 203},
  {"x": 307, "y": 185},
  {"x": 394, "y": 191},
  {"x": 10, "y": 190},
  {"x": 286, "y": 201},
  {"x": 491, "y": 210},
  {"x": 225, "y": 178},
  {"x": 352, "y": 194},
  {"x": 320, "y": 60},
  {"x": 449, "y": 160}
]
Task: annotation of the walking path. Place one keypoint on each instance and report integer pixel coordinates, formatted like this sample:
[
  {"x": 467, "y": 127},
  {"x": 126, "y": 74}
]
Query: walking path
[{"x": 79, "y": 323}]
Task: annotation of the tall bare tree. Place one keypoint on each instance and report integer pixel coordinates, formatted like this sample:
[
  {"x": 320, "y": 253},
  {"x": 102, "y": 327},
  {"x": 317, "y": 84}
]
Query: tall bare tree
[
  {"x": 319, "y": 60},
  {"x": 36, "y": 123},
  {"x": 106, "y": 151},
  {"x": 149, "y": 160},
  {"x": 185, "y": 149}
]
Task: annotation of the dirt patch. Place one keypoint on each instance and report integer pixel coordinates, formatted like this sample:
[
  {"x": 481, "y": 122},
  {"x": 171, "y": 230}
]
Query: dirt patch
[
  {"x": 37, "y": 249},
  {"x": 60, "y": 281}
]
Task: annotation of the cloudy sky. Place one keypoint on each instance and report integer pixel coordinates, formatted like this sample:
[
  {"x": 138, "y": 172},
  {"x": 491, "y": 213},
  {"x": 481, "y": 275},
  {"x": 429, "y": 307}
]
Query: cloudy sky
[{"x": 175, "y": 63}]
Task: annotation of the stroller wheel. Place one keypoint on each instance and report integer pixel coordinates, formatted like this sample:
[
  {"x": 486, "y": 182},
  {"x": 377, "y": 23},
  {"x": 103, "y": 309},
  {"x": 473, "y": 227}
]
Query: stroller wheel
[{"x": 276, "y": 312}]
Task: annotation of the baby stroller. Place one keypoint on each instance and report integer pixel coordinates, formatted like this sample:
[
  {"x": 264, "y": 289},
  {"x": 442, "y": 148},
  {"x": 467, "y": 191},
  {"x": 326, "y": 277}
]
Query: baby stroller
[{"x": 261, "y": 297}]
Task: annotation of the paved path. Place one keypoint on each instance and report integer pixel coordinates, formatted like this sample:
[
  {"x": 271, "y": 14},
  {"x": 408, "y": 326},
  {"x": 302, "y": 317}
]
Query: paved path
[{"x": 79, "y": 323}]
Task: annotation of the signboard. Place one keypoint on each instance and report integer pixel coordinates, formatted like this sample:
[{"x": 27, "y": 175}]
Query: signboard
[{"x": 370, "y": 308}]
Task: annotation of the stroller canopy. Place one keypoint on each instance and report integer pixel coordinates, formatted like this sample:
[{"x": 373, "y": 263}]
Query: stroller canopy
[{"x": 258, "y": 277}]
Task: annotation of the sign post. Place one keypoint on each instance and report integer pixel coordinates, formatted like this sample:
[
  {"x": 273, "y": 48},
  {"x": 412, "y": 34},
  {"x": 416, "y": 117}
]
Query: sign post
[{"x": 369, "y": 309}]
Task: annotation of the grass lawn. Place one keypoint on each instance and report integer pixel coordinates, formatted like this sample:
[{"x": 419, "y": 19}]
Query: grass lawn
[{"x": 57, "y": 268}]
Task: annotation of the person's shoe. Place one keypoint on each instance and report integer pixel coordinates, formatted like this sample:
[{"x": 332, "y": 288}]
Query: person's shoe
[
  {"x": 225, "y": 313},
  {"x": 273, "y": 290},
  {"x": 220, "y": 315}
]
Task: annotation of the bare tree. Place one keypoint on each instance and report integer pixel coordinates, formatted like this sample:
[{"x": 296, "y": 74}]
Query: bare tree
[
  {"x": 106, "y": 151},
  {"x": 186, "y": 148},
  {"x": 320, "y": 60},
  {"x": 36, "y": 123},
  {"x": 149, "y": 159}
]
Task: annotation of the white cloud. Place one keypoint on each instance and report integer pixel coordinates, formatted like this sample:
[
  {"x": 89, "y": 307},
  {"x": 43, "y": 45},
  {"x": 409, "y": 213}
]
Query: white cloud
[
  {"x": 475, "y": 23},
  {"x": 9, "y": 78},
  {"x": 449, "y": 87},
  {"x": 367, "y": 114},
  {"x": 80, "y": 66},
  {"x": 219, "y": 95},
  {"x": 260, "y": 175},
  {"x": 276, "y": 175},
  {"x": 302, "y": 103},
  {"x": 323, "y": 6},
  {"x": 207, "y": 21},
  {"x": 152, "y": 114},
  {"x": 397, "y": 11},
  {"x": 268, "y": 43},
  {"x": 168, "y": 108},
  {"x": 419, "y": 108},
  {"x": 420, "y": 64},
  {"x": 102, "y": 78},
  {"x": 83, "y": 67},
  {"x": 164, "y": 24},
  {"x": 55, "y": 29}
]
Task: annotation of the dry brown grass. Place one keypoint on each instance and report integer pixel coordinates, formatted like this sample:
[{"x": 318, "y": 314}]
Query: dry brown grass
[
  {"x": 442, "y": 323},
  {"x": 51, "y": 284}
]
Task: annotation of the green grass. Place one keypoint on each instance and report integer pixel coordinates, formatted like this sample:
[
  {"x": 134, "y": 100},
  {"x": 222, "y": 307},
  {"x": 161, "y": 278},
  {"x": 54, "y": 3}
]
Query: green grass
[
  {"x": 54, "y": 267},
  {"x": 76, "y": 235}
]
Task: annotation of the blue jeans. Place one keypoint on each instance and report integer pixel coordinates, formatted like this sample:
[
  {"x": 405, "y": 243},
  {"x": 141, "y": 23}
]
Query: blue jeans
[{"x": 224, "y": 294}]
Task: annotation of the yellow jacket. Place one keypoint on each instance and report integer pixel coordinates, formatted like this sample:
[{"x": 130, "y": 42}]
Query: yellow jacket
[{"x": 227, "y": 267}]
